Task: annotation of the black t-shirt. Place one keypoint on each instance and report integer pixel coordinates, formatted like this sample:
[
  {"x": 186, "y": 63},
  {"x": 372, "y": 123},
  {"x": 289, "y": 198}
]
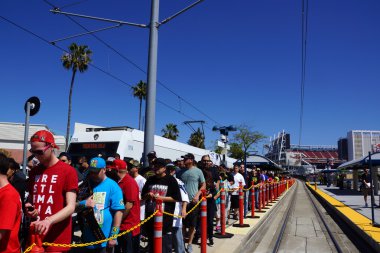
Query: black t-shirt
[
  {"x": 166, "y": 186},
  {"x": 366, "y": 178}
]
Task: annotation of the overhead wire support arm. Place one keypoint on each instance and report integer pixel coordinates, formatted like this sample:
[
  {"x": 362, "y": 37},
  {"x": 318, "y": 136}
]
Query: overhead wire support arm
[
  {"x": 180, "y": 12},
  {"x": 89, "y": 32},
  {"x": 58, "y": 11}
]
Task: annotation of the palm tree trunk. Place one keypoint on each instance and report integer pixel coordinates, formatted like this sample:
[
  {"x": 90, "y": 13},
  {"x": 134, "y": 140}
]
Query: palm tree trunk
[
  {"x": 140, "y": 114},
  {"x": 69, "y": 111}
]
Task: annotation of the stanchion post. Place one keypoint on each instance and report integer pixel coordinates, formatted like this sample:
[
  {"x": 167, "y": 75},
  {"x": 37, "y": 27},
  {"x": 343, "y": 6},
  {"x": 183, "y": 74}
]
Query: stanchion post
[
  {"x": 241, "y": 207},
  {"x": 223, "y": 233},
  {"x": 204, "y": 223},
  {"x": 267, "y": 195},
  {"x": 315, "y": 185},
  {"x": 264, "y": 194},
  {"x": 35, "y": 238},
  {"x": 253, "y": 200},
  {"x": 271, "y": 192},
  {"x": 241, "y": 203},
  {"x": 260, "y": 196},
  {"x": 223, "y": 211},
  {"x": 158, "y": 218},
  {"x": 276, "y": 190}
]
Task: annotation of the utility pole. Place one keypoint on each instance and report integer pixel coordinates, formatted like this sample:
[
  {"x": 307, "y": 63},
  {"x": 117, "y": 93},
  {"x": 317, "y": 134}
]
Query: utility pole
[{"x": 150, "y": 111}]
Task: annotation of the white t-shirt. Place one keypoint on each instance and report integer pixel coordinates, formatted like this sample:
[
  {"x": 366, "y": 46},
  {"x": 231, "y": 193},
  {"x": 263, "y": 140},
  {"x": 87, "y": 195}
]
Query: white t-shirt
[
  {"x": 238, "y": 178},
  {"x": 140, "y": 182},
  {"x": 177, "y": 222}
]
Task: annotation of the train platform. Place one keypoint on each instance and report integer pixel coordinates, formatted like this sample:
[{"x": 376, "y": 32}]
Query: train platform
[
  {"x": 353, "y": 199},
  {"x": 350, "y": 207}
]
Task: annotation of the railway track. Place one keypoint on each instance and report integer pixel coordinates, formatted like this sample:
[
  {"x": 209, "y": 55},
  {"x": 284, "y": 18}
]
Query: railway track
[{"x": 300, "y": 224}]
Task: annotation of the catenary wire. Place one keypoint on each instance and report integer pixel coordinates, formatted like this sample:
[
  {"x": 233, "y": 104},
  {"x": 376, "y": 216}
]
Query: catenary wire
[
  {"x": 304, "y": 25},
  {"x": 136, "y": 65},
  {"x": 92, "y": 65}
]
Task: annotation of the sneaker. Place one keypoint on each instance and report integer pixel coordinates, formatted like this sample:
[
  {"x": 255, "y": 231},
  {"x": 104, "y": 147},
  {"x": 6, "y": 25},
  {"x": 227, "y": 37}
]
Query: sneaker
[
  {"x": 189, "y": 248},
  {"x": 211, "y": 241}
]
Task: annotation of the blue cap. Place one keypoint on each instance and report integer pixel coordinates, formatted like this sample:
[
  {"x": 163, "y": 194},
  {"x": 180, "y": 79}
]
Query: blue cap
[{"x": 97, "y": 163}]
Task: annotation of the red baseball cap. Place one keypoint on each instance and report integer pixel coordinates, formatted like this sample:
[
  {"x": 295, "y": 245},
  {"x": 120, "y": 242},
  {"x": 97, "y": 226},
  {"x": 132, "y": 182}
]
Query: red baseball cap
[
  {"x": 44, "y": 136},
  {"x": 119, "y": 165}
]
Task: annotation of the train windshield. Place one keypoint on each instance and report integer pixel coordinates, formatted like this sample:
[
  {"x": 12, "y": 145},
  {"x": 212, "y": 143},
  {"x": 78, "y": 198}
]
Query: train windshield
[{"x": 92, "y": 149}]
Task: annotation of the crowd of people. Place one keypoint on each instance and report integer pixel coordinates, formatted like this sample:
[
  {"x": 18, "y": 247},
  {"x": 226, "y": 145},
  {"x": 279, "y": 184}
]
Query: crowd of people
[{"x": 105, "y": 196}]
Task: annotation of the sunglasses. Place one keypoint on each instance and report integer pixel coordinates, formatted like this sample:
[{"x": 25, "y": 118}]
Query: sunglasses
[{"x": 39, "y": 151}]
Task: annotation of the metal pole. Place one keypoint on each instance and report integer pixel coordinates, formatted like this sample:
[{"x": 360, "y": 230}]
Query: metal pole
[
  {"x": 27, "y": 117},
  {"x": 246, "y": 182},
  {"x": 371, "y": 189},
  {"x": 150, "y": 113}
]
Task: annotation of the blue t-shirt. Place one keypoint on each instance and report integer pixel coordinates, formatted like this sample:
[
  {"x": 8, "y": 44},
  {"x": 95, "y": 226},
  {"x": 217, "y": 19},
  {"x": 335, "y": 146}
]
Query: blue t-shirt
[{"x": 108, "y": 199}]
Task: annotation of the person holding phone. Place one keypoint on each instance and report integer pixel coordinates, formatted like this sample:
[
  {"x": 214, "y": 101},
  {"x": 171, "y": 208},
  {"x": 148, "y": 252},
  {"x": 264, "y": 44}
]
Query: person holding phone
[{"x": 53, "y": 187}]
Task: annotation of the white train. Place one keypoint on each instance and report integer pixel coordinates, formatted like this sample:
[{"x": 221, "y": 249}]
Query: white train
[{"x": 90, "y": 141}]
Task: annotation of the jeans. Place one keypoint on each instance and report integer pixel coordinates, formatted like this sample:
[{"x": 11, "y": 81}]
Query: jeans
[
  {"x": 178, "y": 244},
  {"x": 167, "y": 243}
]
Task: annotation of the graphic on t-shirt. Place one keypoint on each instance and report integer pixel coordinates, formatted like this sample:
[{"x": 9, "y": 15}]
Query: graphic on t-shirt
[
  {"x": 159, "y": 189},
  {"x": 100, "y": 200},
  {"x": 44, "y": 190}
]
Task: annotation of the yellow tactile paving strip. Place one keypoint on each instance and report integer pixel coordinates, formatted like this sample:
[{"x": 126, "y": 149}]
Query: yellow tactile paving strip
[{"x": 357, "y": 218}]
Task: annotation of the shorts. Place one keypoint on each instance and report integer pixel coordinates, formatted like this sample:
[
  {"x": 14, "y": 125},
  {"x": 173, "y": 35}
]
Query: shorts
[
  {"x": 192, "y": 218},
  {"x": 365, "y": 191},
  {"x": 234, "y": 201}
]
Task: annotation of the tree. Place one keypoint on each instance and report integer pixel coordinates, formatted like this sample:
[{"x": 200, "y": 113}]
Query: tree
[
  {"x": 236, "y": 151},
  {"x": 139, "y": 91},
  {"x": 197, "y": 139},
  {"x": 245, "y": 137},
  {"x": 78, "y": 58},
  {"x": 170, "y": 131}
]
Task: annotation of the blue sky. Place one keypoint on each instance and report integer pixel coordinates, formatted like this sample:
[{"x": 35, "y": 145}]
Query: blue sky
[{"x": 237, "y": 61}]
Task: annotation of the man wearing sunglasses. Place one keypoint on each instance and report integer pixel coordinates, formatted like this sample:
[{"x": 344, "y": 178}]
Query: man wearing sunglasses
[{"x": 53, "y": 187}]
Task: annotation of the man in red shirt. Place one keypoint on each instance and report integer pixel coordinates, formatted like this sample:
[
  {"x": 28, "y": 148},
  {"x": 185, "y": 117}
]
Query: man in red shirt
[
  {"x": 52, "y": 187},
  {"x": 129, "y": 242},
  {"x": 10, "y": 210}
]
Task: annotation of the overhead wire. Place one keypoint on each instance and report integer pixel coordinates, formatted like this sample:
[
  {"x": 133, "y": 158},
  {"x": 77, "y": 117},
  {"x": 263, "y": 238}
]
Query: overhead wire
[
  {"x": 91, "y": 64},
  {"x": 304, "y": 26},
  {"x": 136, "y": 65}
]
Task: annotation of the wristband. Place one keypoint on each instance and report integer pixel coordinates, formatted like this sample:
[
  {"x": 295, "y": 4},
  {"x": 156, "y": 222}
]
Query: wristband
[{"x": 115, "y": 231}]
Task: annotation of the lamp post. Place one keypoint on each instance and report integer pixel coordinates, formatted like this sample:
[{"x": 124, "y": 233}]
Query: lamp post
[{"x": 224, "y": 137}]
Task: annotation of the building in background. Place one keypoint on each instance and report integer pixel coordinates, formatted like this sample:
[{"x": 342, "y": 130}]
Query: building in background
[
  {"x": 343, "y": 149},
  {"x": 12, "y": 138},
  {"x": 301, "y": 157},
  {"x": 360, "y": 142}
]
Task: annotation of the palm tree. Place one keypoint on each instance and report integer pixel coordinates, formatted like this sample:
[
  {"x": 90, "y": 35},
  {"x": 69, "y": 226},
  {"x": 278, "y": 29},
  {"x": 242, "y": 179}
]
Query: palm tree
[
  {"x": 78, "y": 58},
  {"x": 170, "y": 131},
  {"x": 139, "y": 91},
  {"x": 197, "y": 139}
]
